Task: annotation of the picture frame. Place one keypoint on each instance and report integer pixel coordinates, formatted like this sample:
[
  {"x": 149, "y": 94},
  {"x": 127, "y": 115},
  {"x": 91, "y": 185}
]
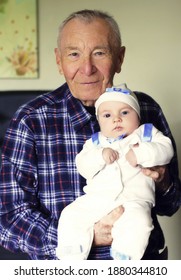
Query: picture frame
[{"x": 19, "y": 39}]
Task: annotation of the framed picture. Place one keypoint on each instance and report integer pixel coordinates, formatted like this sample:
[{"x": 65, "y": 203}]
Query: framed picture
[{"x": 18, "y": 39}]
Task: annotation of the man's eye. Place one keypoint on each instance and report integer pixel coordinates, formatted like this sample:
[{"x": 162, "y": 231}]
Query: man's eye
[
  {"x": 99, "y": 53},
  {"x": 73, "y": 55}
]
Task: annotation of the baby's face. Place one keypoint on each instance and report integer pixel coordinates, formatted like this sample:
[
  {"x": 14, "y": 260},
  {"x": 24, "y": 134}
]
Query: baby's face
[{"x": 117, "y": 118}]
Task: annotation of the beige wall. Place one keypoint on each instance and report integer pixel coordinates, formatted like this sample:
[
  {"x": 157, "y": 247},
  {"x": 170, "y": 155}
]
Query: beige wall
[{"x": 151, "y": 34}]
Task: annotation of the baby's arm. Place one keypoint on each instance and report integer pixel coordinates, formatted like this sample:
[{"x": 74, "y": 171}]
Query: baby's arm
[
  {"x": 158, "y": 151},
  {"x": 93, "y": 158},
  {"x": 109, "y": 155},
  {"x": 89, "y": 160}
]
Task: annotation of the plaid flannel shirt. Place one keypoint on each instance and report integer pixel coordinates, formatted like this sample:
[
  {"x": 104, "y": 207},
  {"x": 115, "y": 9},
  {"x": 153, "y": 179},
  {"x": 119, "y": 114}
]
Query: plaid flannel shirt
[{"x": 39, "y": 177}]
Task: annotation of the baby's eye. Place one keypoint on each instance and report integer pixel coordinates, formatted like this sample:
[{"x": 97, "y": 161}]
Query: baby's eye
[
  {"x": 124, "y": 113},
  {"x": 107, "y": 115}
]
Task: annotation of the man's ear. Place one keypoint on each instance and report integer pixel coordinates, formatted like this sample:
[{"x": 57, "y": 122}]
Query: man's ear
[
  {"x": 121, "y": 55},
  {"x": 58, "y": 60}
]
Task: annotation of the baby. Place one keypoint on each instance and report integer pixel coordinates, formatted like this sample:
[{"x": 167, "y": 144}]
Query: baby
[{"x": 111, "y": 161}]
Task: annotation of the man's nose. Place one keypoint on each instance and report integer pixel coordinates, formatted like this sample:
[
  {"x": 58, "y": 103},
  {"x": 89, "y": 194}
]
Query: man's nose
[{"x": 87, "y": 66}]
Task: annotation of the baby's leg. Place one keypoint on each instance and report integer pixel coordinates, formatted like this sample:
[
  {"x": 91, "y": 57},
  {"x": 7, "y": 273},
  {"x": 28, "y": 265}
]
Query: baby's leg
[
  {"x": 76, "y": 226},
  {"x": 131, "y": 232},
  {"x": 75, "y": 233}
]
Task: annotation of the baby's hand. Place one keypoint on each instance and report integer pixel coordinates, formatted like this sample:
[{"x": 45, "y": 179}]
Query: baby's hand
[
  {"x": 131, "y": 158},
  {"x": 109, "y": 155}
]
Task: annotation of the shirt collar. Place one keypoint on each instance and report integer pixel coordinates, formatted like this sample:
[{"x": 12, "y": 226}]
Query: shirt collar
[
  {"x": 112, "y": 140},
  {"x": 77, "y": 112}
]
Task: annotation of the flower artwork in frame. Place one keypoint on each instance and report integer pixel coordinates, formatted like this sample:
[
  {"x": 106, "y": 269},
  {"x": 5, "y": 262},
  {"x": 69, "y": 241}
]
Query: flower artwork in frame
[{"x": 18, "y": 39}]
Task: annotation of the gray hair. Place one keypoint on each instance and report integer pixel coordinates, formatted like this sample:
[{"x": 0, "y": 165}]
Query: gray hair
[{"x": 90, "y": 15}]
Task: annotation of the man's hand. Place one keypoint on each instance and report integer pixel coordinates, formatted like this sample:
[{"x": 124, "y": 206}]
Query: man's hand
[
  {"x": 160, "y": 175},
  {"x": 156, "y": 173},
  {"x": 102, "y": 229}
]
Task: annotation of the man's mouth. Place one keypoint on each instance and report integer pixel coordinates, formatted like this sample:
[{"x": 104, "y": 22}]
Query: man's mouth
[{"x": 89, "y": 83}]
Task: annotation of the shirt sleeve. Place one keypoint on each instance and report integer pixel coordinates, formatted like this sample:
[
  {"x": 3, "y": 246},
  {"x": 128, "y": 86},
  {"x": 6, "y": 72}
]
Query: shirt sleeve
[
  {"x": 168, "y": 204},
  {"x": 147, "y": 152},
  {"x": 26, "y": 225}
]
